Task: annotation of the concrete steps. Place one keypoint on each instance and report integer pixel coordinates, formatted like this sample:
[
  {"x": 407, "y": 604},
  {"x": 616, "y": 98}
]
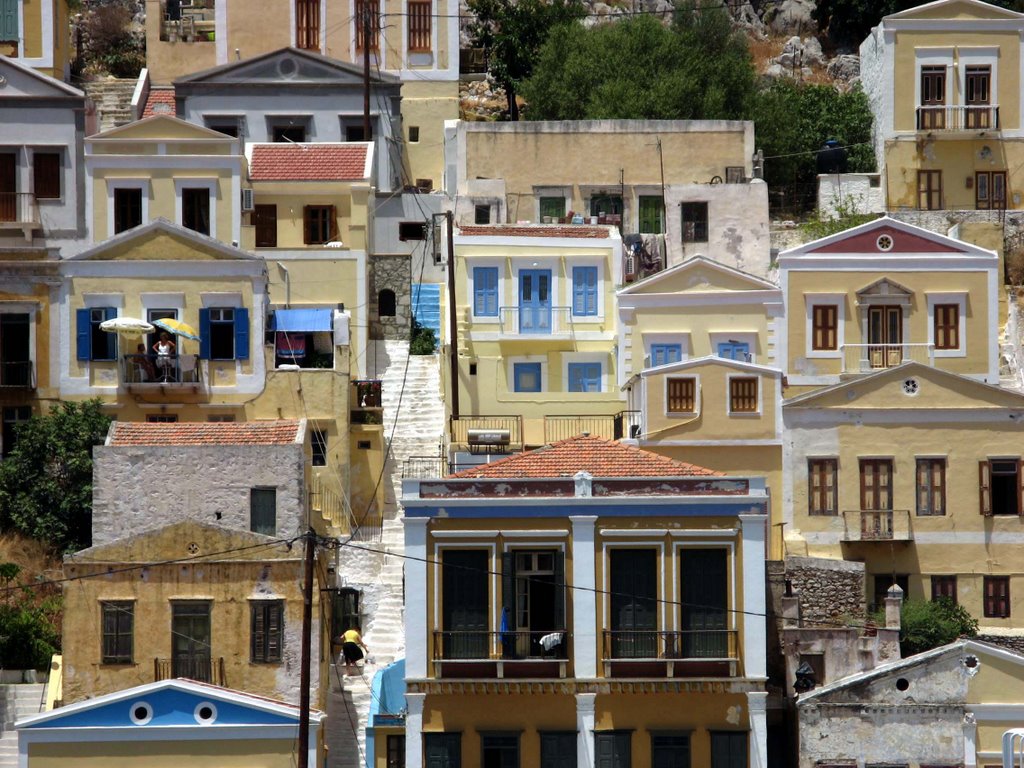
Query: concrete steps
[
  {"x": 16, "y": 703},
  {"x": 112, "y": 98}
]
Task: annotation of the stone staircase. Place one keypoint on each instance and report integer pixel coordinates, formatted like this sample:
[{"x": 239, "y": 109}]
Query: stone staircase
[
  {"x": 113, "y": 100},
  {"x": 16, "y": 702},
  {"x": 1011, "y": 355},
  {"x": 414, "y": 429}
]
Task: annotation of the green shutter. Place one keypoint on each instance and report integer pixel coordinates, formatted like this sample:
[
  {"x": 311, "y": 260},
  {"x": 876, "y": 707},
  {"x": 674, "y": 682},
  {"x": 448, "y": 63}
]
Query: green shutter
[{"x": 9, "y": 20}]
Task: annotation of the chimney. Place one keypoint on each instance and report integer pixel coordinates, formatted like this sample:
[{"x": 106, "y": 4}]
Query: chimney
[{"x": 893, "y": 605}]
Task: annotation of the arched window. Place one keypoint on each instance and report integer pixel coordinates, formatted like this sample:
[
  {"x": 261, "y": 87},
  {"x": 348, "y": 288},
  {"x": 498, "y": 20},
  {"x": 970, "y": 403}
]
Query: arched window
[{"x": 386, "y": 303}]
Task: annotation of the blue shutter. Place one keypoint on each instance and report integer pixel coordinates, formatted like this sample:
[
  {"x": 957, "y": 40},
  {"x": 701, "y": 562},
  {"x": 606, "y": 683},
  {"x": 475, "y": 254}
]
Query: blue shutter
[
  {"x": 575, "y": 377},
  {"x": 526, "y": 377},
  {"x": 204, "y": 334},
  {"x": 9, "y": 20},
  {"x": 734, "y": 350},
  {"x": 663, "y": 354},
  {"x": 83, "y": 328},
  {"x": 485, "y": 291},
  {"x": 584, "y": 377},
  {"x": 584, "y": 290},
  {"x": 241, "y": 333}
]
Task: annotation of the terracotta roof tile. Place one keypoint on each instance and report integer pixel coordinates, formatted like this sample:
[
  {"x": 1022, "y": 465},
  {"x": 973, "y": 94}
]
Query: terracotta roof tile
[
  {"x": 160, "y": 101},
  {"x": 537, "y": 230},
  {"x": 205, "y": 433},
  {"x": 308, "y": 162},
  {"x": 601, "y": 458}
]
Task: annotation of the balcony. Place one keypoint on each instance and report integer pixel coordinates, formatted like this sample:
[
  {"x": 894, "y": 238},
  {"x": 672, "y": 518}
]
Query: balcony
[
  {"x": 622, "y": 425},
  {"x": 486, "y": 434},
  {"x": 944, "y": 117},
  {"x": 521, "y": 654},
  {"x": 190, "y": 23},
  {"x": 367, "y": 402},
  {"x": 536, "y": 322},
  {"x": 18, "y": 375},
  {"x": 202, "y": 669},
  {"x": 863, "y": 525},
  {"x": 686, "y": 653},
  {"x": 868, "y": 358},
  {"x": 19, "y": 210},
  {"x": 153, "y": 372}
]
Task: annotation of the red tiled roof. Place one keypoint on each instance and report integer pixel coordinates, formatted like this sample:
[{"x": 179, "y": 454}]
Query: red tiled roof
[
  {"x": 601, "y": 458},
  {"x": 568, "y": 230},
  {"x": 160, "y": 101},
  {"x": 205, "y": 433},
  {"x": 308, "y": 162}
]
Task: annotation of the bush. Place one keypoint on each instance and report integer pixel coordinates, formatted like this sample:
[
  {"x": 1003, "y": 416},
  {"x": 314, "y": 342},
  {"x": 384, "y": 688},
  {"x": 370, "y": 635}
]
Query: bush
[
  {"x": 422, "y": 340},
  {"x": 846, "y": 218},
  {"x": 927, "y": 624},
  {"x": 109, "y": 43},
  {"x": 29, "y": 634}
]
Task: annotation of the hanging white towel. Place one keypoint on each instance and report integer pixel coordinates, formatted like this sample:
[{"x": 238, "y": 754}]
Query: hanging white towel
[{"x": 550, "y": 641}]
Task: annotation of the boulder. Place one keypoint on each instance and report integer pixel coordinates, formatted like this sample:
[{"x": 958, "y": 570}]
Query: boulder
[
  {"x": 792, "y": 17},
  {"x": 844, "y": 68}
]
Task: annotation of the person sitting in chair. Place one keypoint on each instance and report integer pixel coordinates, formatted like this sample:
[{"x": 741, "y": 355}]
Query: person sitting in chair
[{"x": 143, "y": 365}]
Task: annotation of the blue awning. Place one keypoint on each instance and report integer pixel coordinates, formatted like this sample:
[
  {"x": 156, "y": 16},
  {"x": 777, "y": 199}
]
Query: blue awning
[{"x": 302, "y": 320}]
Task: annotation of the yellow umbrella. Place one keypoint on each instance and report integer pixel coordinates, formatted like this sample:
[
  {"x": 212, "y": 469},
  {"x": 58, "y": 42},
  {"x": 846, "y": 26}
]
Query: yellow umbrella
[{"x": 177, "y": 327}]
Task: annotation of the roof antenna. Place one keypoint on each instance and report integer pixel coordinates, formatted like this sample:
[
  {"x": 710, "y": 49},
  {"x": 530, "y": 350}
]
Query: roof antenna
[{"x": 238, "y": 54}]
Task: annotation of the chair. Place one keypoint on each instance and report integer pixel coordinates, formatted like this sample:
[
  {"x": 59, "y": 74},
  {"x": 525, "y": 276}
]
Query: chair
[{"x": 187, "y": 368}]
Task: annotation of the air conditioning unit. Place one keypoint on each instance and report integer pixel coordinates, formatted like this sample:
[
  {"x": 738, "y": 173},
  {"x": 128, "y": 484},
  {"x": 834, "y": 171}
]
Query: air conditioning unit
[
  {"x": 488, "y": 436},
  {"x": 247, "y": 200}
]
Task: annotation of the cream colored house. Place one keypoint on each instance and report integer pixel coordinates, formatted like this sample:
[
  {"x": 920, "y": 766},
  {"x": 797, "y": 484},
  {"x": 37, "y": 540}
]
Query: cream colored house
[{"x": 35, "y": 34}]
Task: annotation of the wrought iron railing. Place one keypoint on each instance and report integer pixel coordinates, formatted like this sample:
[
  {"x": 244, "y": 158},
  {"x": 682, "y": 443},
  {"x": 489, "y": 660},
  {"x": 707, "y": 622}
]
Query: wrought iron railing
[
  {"x": 862, "y": 358},
  {"x": 160, "y": 369},
  {"x": 18, "y": 208},
  {"x": 652, "y": 645},
  {"x": 203, "y": 669},
  {"x": 504, "y": 646},
  {"x": 963, "y": 117},
  {"x": 877, "y": 525},
  {"x": 17, "y": 374}
]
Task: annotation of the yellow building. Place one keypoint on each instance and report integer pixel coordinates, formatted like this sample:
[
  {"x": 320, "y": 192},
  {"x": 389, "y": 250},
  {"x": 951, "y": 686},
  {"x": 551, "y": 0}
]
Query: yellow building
[
  {"x": 944, "y": 82},
  {"x": 536, "y": 321},
  {"x": 35, "y": 34},
  {"x": 585, "y": 603}
]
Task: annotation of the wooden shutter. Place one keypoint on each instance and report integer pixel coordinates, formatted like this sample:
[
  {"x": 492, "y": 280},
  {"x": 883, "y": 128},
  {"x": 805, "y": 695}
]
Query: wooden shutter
[
  {"x": 559, "y": 590},
  {"x": 241, "y": 333},
  {"x": 985, "y": 487},
  {"x": 274, "y": 631},
  {"x": 9, "y": 20},
  {"x": 307, "y": 224},
  {"x": 259, "y": 631}
]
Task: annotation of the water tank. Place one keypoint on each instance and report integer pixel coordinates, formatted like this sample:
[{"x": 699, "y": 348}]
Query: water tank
[{"x": 832, "y": 158}]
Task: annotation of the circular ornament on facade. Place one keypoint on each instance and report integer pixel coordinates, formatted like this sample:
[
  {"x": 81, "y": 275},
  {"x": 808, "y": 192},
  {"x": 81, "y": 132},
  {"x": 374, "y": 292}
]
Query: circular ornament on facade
[
  {"x": 205, "y": 713},
  {"x": 193, "y": 548},
  {"x": 884, "y": 242},
  {"x": 288, "y": 68},
  {"x": 140, "y": 712},
  {"x": 911, "y": 387}
]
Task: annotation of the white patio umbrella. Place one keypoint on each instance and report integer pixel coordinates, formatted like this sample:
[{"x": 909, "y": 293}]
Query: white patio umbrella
[{"x": 126, "y": 326}]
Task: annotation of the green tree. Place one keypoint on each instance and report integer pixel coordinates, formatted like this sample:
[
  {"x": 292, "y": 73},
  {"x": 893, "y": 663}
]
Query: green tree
[
  {"x": 46, "y": 481},
  {"x": 29, "y": 631},
  {"x": 928, "y": 624},
  {"x": 511, "y": 33}
]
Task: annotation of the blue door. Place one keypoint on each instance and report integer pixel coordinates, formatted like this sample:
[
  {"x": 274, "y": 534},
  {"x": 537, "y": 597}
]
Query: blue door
[{"x": 535, "y": 301}]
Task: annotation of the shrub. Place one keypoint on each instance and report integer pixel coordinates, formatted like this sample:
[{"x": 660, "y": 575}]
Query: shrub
[
  {"x": 422, "y": 340},
  {"x": 927, "y": 624}
]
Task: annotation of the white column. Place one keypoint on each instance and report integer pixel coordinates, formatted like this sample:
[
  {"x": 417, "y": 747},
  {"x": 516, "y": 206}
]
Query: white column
[
  {"x": 757, "y": 705},
  {"x": 755, "y": 633},
  {"x": 414, "y": 728},
  {"x": 416, "y": 598},
  {"x": 584, "y": 730},
  {"x": 970, "y": 740},
  {"x": 584, "y": 599}
]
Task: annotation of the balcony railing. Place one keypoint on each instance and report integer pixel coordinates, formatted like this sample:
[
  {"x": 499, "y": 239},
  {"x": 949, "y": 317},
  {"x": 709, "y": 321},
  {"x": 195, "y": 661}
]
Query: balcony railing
[
  {"x": 18, "y": 374},
  {"x": 202, "y": 669},
  {"x": 536, "y": 321},
  {"x": 628, "y": 425},
  {"x": 947, "y": 117},
  {"x": 460, "y": 427},
  {"x": 877, "y": 525},
  {"x": 651, "y": 645},
  {"x": 865, "y": 358},
  {"x": 506, "y": 646},
  {"x": 367, "y": 402},
  {"x": 144, "y": 370},
  {"x": 18, "y": 209},
  {"x": 563, "y": 427}
]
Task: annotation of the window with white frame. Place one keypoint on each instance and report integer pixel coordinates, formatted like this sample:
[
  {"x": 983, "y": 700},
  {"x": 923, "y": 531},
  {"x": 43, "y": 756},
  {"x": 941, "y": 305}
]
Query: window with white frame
[
  {"x": 585, "y": 291},
  {"x": 947, "y": 324}
]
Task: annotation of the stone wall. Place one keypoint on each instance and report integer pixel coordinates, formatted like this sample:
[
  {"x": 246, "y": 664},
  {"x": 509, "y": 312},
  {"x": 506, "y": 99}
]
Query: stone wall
[
  {"x": 830, "y": 590},
  {"x": 392, "y": 273}
]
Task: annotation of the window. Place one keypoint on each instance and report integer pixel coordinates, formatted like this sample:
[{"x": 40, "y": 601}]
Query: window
[
  {"x": 118, "y": 631},
  {"x": 932, "y": 112},
  {"x": 931, "y": 486},
  {"x": 633, "y": 580},
  {"x": 224, "y": 333},
  {"x": 558, "y": 750},
  {"x": 46, "y": 175},
  {"x": 386, "y": 303},
  {"x": 663, "y": 354},
  {"x": 823, "y": 486},
  {"x": 9, "y": 20},
  {"x": 191, "y": 640},
  {"x": 307, "y": 24},
  {"x": 289, "y": 133},
  {"x": 681, "y": 395},
  {"x": 947, "y": 326},
  {"x": 229, "y": 126},
  {"x": 162, "y": 418},
  {"x": 412, "y": 230},
  {"x": 395, "y": 750},
  {"x": 978, "y": 96},
  {"x": 414, "y": 134},
  {"x": 584, "y": 291},
  {"x": 743, "y": 394},
  {"x": 734, "y": 350},
  {"x": 13, "y": 415},
  {"x": 464, "y": 604},
  {"x": 990, "y": 190},
  {"x": 357, "y": 132},
  {"x": 695, "y": 222},
  {"x": 670, "y": 750},
  {"x": 482, "y": 214},
  {"x": 1000, "y": 486},
  {"x": 499, "y": 750},
  {"x": 319, "y": 224},
  {"x": 485, "y": 291},
  {"x": 584, "y": 377},
  {"x": 92, "y": 342},
  {"x": 195, "y": 209},
  {"x": 264, "y": 220},
  {"x": 442, "y": 750},
  {"x": 704, "y": 604},
  {"x": 419, "y": 26},
  {"x": 606, "y": 205},
  {"x": 824, "y": 324},
  {"x": 526, "y": 377},
  {"x": 267, "y": 630},
  {"x": 553, "y": 208},
  {"x": 612, "y": 749},
  {"x": 367, "y": 15},
  {"x": 944, "y": 586},
  {"x": 883, "y": 583},
  {"x": 263, "y": 511},
  {"x": 929, "y": 190},
  {"x": 318, "y": 438},
  {"x": 652, "y": 220},
  {"x": 876, "y": 484},
  {"x": 729, "y": 749},
  {"x": 15, "y": 349},
  {"x": 127, "y": 208},
  {"x": 345, "y": 611},
  {"x": 734, "y": 174},
  {"x": 221, "y": 418},
  {"x": 997, "y": 597}
]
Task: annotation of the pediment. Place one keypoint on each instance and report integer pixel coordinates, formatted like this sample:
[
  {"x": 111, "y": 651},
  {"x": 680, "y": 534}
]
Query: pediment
[
  {"x": 957, "y": 9},
  {"x": 161, "y": 127},
  {"x": 22, "y": 82},
  {"x": 887, "y": 238},
  {"x": 162, "y": 240},
  {"x": 184, "y": 539},
  {"x": 885, "y": 290},
  {"x": 286, "y": 66},
  {"x": 698, "y": 275}
]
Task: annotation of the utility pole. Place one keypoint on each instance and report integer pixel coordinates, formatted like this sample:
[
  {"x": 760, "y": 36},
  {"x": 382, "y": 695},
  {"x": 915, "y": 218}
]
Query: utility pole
[
  {"x": 366, "y": 70},
  {"x": 304, "y": 663},
  {"x": 453, "y": 323}
]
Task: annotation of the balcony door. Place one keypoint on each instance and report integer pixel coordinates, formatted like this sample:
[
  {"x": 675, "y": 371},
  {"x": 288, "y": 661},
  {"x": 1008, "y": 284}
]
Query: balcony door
[
  {"x": 634, "y": 602},
  {"x": 8, "y": 188},
  {"x": 190, "y": 639},
  {"x": 534, "y": 603},
  {"x": 15, "y": 353},
  {"x": 535, "y": 301},
  {"x": 464, "y": 603},
  {"x": 705, "y": 603},
  {"x": 885, "y": 336},
  {"x": 932, "y": 114}
]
